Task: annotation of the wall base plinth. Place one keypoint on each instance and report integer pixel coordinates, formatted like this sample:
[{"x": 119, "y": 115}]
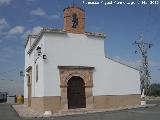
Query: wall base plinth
[{"x": 53, "y": 103}]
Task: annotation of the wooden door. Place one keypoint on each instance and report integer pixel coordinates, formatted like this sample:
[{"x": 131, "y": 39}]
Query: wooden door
[{"x": 76, "y": 93}]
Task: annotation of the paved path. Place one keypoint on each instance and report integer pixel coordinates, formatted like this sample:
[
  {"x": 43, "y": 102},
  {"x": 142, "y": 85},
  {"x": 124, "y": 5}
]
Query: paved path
[
  {"x": 149, "y": 113},
  {"x": 7, "y": 112},
  {"x": 134, "y": 114}
]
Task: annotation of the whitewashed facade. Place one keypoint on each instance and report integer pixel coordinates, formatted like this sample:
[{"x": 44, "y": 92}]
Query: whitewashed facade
[{"x": 62, "y": 48}]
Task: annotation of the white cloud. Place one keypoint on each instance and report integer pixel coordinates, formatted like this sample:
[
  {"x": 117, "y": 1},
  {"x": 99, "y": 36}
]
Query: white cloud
[
  {"x": 13, "y": 32},
  {"x": 34, "y": 31},
  {"x": 3, "y": 23},
  {"x": 38, "y": 12},
  {"x": 5, "y": 2},
  {"x": 16, "y": 30},
  {"x": 42, "y": 13},
  {"x": 30, "y": 2},
  {"x": 56, "y": 16}
]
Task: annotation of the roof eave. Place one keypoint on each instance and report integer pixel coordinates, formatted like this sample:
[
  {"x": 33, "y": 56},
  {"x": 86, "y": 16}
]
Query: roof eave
[
  {"x": 123, "y": 63},
  {"x": 94, "y": 34}
]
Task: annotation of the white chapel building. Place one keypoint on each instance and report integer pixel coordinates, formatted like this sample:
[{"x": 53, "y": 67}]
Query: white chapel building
[{"x": 67, "y": 69}]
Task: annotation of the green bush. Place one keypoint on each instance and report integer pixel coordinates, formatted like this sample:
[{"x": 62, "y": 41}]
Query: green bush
[{"x": 154, "y": 90}]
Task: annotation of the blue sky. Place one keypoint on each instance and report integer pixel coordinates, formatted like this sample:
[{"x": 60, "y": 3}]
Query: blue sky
[{"x": 122, "y": 24}]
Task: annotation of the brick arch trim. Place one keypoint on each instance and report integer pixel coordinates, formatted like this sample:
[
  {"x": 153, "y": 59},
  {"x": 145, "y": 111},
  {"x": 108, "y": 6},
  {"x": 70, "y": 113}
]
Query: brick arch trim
[
  {"x": 72, "y": 75},
  {"x": 66, "y": 72}
]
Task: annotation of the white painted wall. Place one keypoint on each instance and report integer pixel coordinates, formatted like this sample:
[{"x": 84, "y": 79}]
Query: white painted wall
[
  {"x": 37, "y": 87},
  {"x": 27, "y": 64},
  {"x": 110, "y": 78}
]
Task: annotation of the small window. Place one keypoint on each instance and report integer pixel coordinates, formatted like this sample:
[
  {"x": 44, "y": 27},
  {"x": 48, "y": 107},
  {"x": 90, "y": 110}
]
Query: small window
[
  {"x": 74, "y": 21},
  {"x": 37, "y": 73}
]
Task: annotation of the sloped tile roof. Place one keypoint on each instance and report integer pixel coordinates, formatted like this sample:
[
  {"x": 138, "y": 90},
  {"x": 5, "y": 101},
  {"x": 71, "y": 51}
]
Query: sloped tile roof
[{"x": 53, "y": 30}]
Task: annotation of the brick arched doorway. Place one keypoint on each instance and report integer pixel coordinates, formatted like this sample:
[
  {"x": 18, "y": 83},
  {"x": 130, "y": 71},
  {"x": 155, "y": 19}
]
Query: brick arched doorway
[
  {"x": 76, "y": 93},
  {"x": 70, "y": 74}
]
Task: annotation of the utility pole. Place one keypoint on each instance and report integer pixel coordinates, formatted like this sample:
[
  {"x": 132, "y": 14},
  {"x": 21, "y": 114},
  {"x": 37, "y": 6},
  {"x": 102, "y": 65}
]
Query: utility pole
[{"x": 144, "y": 69}]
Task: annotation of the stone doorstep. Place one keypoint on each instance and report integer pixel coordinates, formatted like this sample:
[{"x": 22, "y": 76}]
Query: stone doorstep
[{"x": 24, "y": 111}]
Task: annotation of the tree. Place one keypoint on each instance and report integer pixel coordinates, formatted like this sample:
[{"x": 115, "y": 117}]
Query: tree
[{"x": 154, "y": 90}]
